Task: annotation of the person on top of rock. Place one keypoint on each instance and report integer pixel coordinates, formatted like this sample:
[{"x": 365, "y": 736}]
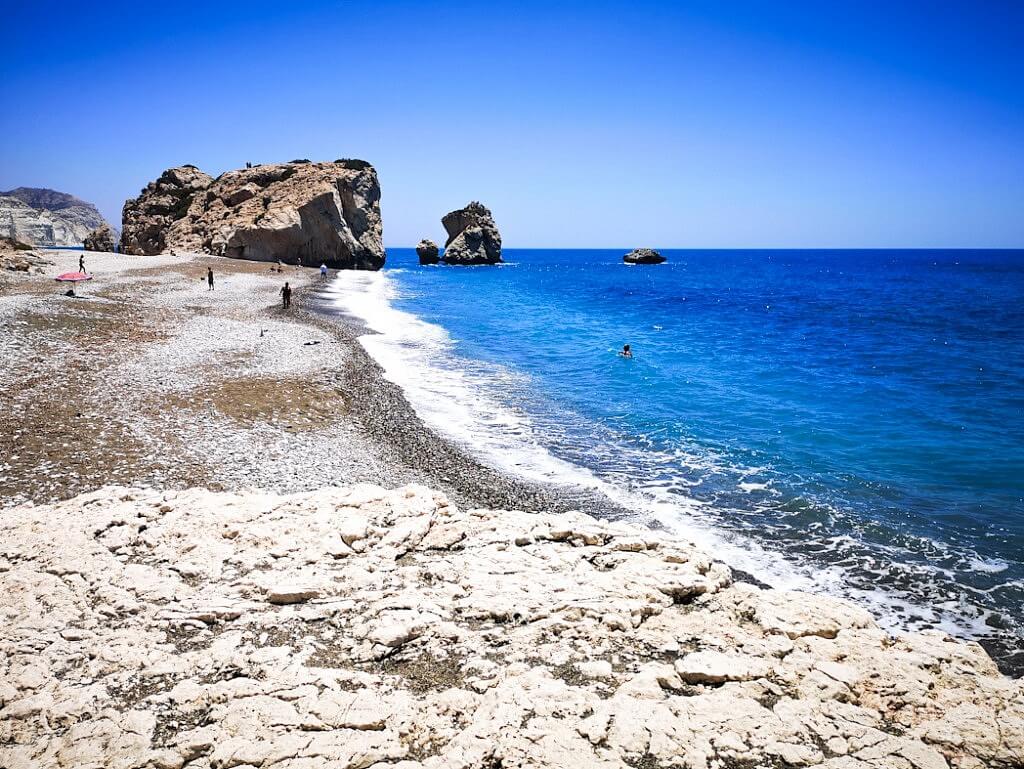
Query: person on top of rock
[
  {"x": 209, "y": 278},
  {"x": 626, "y": 351},
  {"x": 323, "y": 272},
  {"x": 286, "y": 295}
]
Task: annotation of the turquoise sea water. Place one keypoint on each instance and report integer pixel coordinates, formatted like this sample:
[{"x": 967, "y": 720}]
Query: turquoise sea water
[{"x": 846, "y": 421}]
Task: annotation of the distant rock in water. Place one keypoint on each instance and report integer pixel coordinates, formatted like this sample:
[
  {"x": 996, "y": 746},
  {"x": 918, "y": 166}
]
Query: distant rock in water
[
  {"x": 643, "y": 256},
  {"x": 299, "y": 213},
  {"x": 428, "y": 252},
  {"x": 45, "y": 217},
  {"x": 101, "y": 239},
  {"x": 473, "y": 237}
]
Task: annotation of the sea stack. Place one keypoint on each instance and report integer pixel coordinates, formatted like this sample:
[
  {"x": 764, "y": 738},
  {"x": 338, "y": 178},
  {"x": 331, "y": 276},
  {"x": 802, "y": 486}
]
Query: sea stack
[
  {"x": 643, "y": 256},
  {"x": 101, "y": 239},
  {"x": 298, "y": 213},
  {"x": 473, "y": 237},
  {"x": 428, "y": 252}
]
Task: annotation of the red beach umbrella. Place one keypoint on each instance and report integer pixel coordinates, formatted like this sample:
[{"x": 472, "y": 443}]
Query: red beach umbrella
[{"x": 73, "y": 277}]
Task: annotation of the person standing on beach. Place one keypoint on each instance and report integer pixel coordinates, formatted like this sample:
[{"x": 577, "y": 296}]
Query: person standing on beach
[
  {"x": 323, "y": 272},
  {"x": 286, "y": 295},
  {"x": 209, "y": 278}
]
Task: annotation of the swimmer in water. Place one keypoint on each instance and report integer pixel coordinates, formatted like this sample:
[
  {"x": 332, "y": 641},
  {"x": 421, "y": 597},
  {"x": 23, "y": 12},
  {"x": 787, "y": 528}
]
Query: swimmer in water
[{"x": 626, "y": 352}]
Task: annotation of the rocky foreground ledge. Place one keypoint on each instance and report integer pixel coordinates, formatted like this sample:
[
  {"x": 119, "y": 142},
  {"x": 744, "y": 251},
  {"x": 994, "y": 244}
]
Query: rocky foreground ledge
[{"x": 370, "y": 628}]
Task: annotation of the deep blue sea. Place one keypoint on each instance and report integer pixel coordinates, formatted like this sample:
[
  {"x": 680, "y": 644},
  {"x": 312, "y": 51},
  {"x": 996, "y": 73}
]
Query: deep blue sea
[{"x": 843, "y": 421}]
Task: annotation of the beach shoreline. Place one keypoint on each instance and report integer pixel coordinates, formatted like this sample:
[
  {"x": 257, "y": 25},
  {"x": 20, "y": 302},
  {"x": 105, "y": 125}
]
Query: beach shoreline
[
  {"x": 301, "y": 404},
  {"x": 395, "y": 445}
]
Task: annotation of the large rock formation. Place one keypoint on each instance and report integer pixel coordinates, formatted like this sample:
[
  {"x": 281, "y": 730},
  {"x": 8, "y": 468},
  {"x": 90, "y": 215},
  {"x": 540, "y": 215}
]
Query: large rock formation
[
  {"x": 101, "y": 239},
  {"x": 428, "y": 252},
  {"x": 359, "y": 627},
  {"x": 44, "y": 217},
  {"x": 473, "y": 237},
  {"x": 643, "y": 256},
  {"x": 298, "y": 212}
]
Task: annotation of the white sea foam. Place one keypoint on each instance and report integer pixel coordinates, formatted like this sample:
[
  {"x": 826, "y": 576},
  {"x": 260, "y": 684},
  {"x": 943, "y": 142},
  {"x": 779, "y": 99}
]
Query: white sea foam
[
  {"x": 750, "y": 487},
  {"x": 988, "y": 565}
]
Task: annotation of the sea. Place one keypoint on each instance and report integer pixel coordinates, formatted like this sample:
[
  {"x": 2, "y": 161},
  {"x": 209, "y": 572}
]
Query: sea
[{"x": 838, "y": 421}]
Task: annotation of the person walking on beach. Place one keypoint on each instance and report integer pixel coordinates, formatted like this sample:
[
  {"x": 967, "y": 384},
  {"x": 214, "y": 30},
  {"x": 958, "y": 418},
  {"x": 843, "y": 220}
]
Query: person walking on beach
[
  {"x": 81, "y": 262},
  {"x": 286, "y": 295},
  {"x": 323, "y": 272},
  {"x": 209, "y": 278}
]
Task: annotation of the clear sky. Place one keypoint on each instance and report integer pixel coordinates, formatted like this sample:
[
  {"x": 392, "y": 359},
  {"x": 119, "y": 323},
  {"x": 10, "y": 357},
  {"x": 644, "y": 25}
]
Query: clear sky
[{"x": 665, "y": 124}]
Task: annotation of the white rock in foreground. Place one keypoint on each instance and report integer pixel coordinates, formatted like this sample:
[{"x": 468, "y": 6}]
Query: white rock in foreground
[{"x": 370, "y": 628}]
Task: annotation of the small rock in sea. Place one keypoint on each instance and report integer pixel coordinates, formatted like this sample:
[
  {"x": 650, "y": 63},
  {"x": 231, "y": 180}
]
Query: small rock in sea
[
  {"x": 428, "y": 252},
  {"x": 643, "y": 256}
]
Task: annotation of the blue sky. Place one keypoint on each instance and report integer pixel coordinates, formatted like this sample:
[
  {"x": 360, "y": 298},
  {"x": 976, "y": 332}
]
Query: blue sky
[{"x": 702, "y": 124}]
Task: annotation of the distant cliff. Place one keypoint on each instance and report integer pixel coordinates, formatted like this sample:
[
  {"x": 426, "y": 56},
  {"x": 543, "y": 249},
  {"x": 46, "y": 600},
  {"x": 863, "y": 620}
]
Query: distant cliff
[
  {"x": 298, "y": 212},
  {"x": 45, "y": 217}
]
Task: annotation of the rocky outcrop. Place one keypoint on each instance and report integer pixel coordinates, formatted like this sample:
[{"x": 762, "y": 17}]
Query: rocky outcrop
[
  {"x": 428, "y": 252},
  {"x": 361, "y": 627},
  {"x": 101, "y": 239},
  {"x": 16, "y": 256},
  {"x": 298, "y": 213},
  {"x": 44, "y": 217},
  {"x": 147, "y": 219},
  {"x": 473, "y": 237},
  {"x": 643, "y": 256}
]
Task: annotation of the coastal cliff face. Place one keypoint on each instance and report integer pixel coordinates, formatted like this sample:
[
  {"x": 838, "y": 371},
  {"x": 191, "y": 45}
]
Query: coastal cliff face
[
  {"x": 360, "y": 627},
  {"x": 44, "y": 217},
  {"x": 473, "y": 237},
  {"x": 300, "y": 212}
]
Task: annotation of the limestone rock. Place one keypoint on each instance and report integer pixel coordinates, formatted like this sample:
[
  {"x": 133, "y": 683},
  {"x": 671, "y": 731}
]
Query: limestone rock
[
  {"x": 643, "y": 256},
  {"x": 714, "y": 667},
  {"x": 44, "y": 217},
  {"x": 473, "y": 236},
  {"x": 298, "y": 213},
  {"x": 437, "y": 642},
  {"x": 428, "y": 252},
  {"x": 19, "y": 257},
  {"x": 101, "y": 239}
]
